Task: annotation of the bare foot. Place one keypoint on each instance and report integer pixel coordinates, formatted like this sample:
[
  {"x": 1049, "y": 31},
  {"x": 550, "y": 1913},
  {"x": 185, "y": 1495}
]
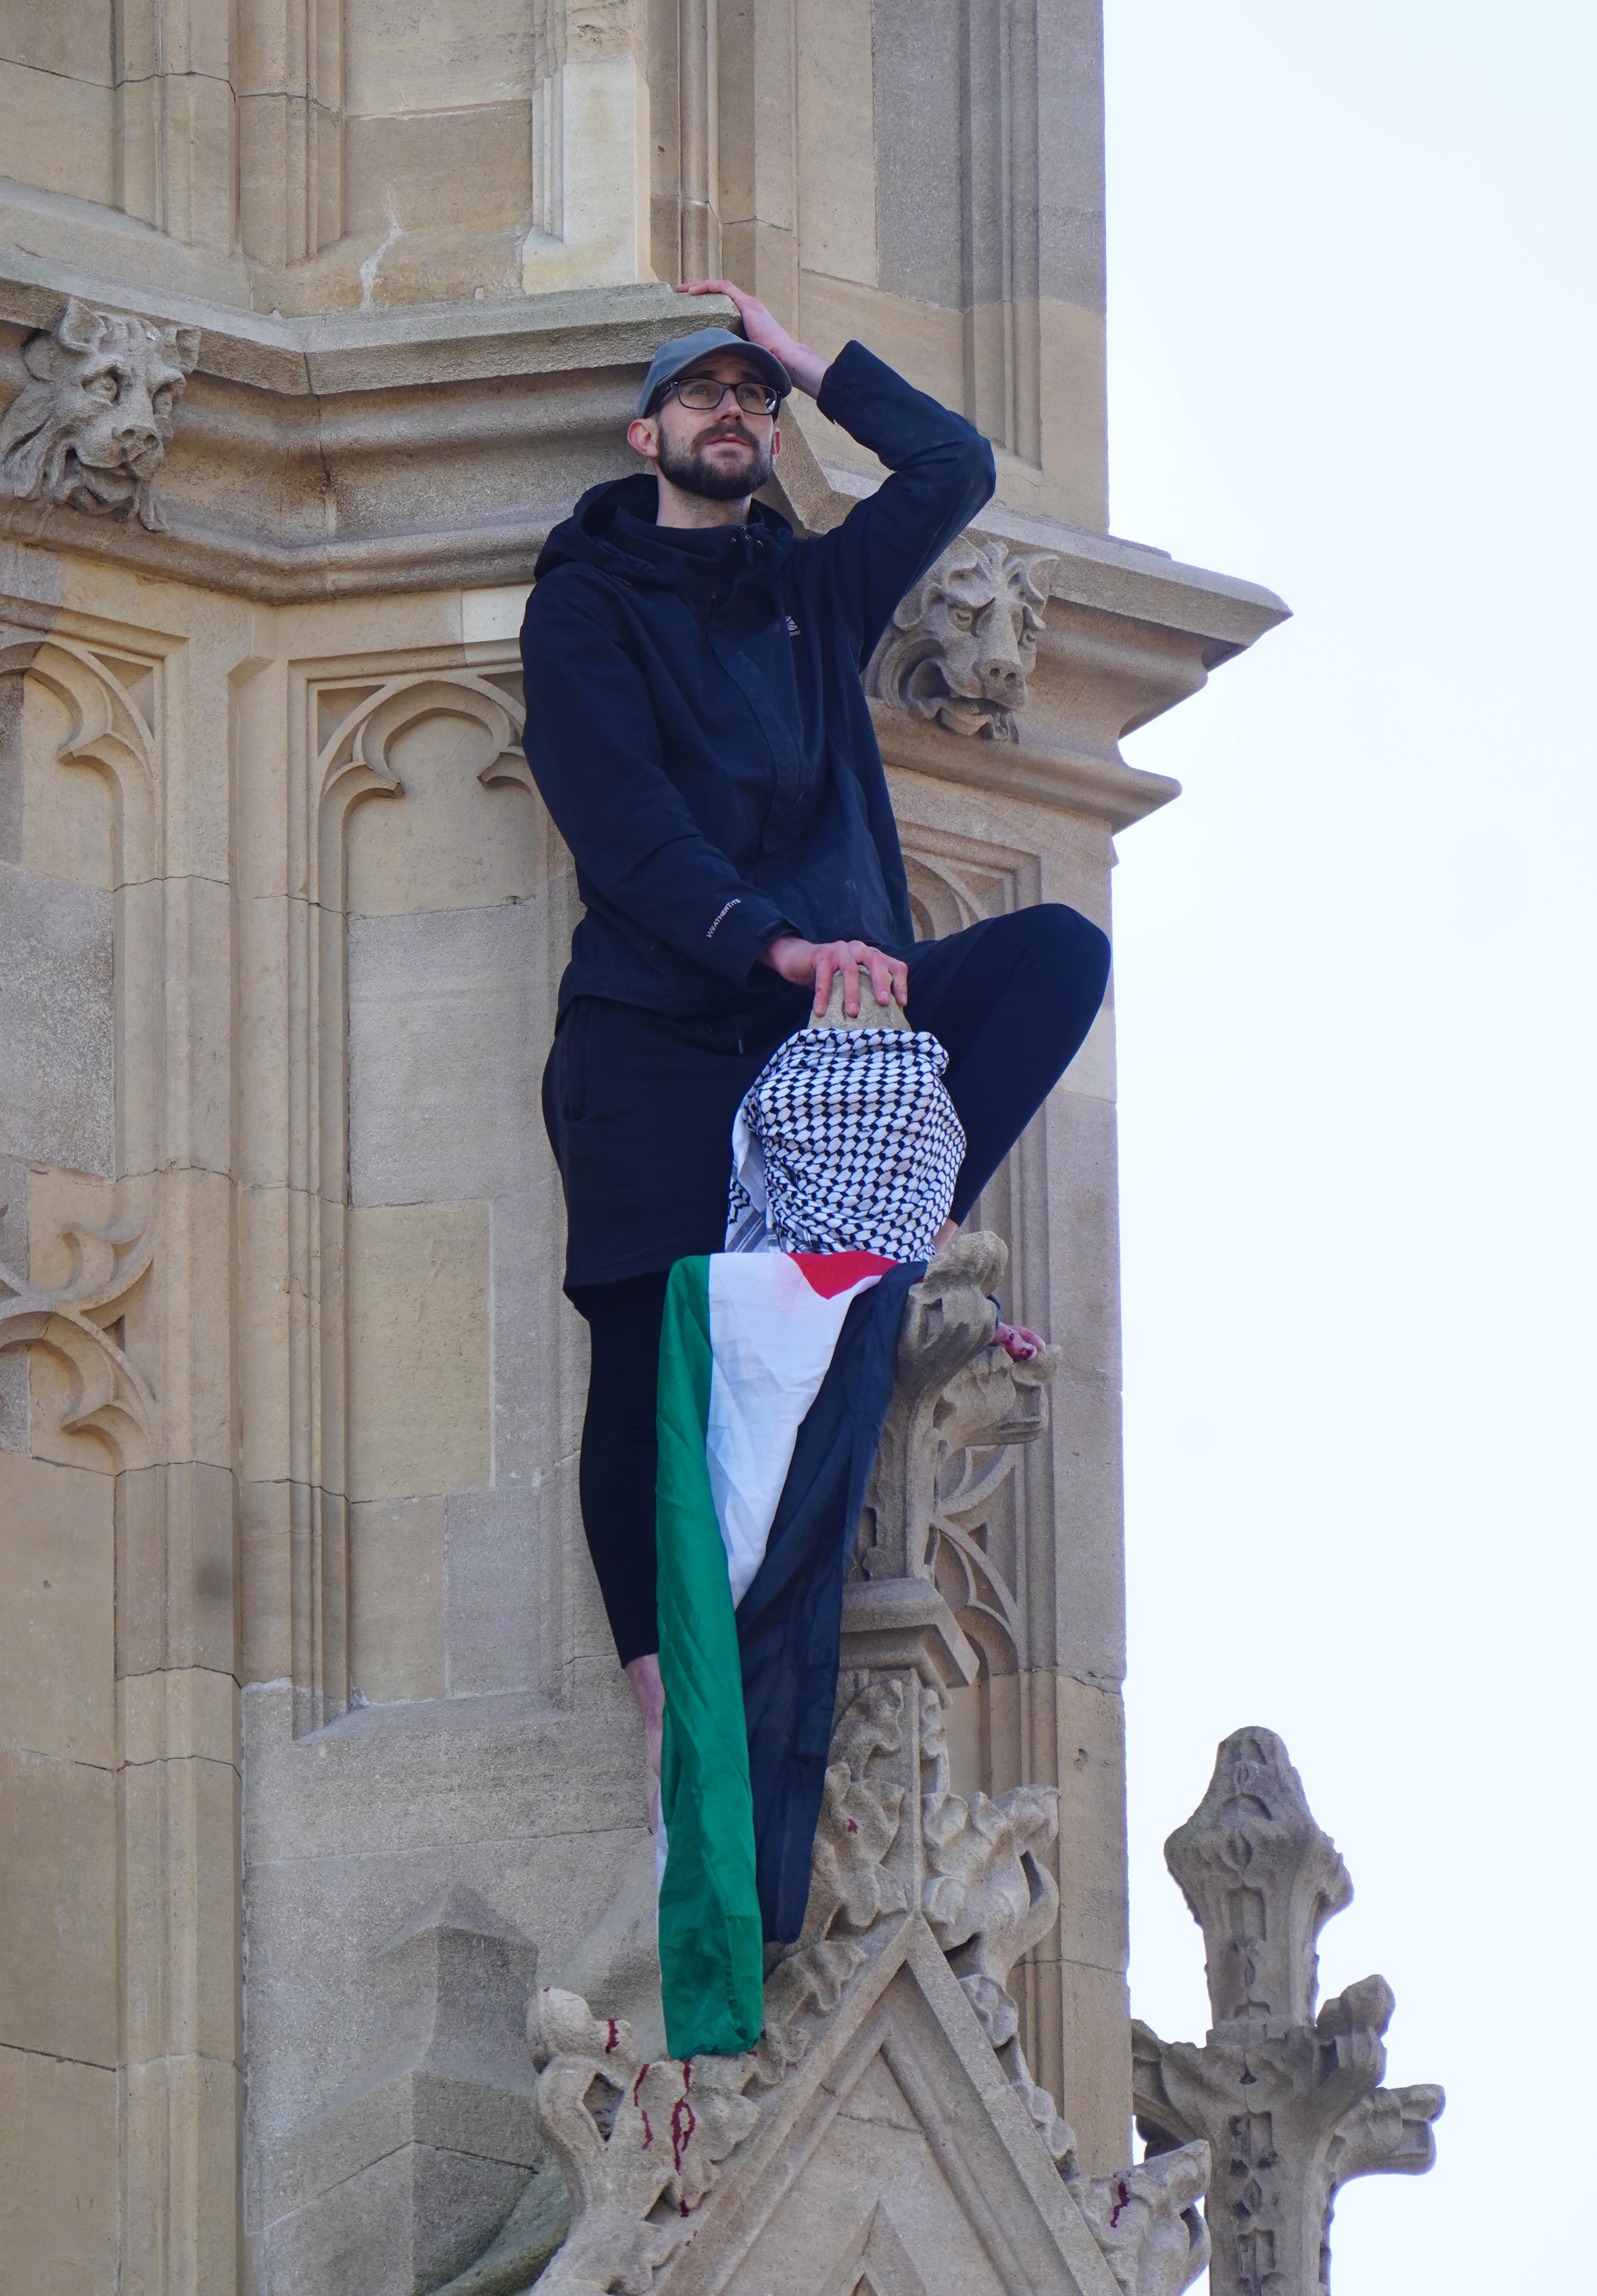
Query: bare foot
[{"x": 650, "y": 1691}]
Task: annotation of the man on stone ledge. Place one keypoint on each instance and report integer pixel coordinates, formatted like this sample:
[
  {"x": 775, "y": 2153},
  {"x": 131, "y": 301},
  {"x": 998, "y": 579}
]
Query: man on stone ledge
[{"x": 697, "y": 725}]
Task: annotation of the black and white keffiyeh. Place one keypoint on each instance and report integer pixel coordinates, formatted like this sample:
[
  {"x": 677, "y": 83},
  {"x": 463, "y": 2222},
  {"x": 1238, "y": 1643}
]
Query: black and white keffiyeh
[{"x": 847, "y": 1141}]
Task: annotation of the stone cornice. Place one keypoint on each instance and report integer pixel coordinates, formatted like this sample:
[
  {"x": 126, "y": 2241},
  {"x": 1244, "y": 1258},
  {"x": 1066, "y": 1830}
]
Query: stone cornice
[
  {"x": 397, "y": 347},
  {"x": 362, "y": 452},
  {"x": 372, "y": 453}
]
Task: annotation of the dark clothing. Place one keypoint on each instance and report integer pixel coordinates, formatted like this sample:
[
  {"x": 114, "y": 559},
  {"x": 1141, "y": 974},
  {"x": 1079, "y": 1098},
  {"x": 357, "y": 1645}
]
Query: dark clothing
[
  {"x": 615, "y": 1474},
  {"x": 647, "y": 1157},
  {"x": 696, "y": 723},
  {"x": 639, "y": 1106}
]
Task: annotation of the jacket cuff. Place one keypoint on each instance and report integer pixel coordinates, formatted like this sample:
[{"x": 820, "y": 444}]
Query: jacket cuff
[
  {"x": 741, "y": 935},
  {"x": 852, "y": 366}
]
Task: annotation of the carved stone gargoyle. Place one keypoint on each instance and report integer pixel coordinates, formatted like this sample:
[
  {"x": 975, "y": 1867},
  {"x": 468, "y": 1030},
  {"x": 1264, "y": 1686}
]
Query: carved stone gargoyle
[
  {"x": 1289, "y": 2102},
  {"x": 91, "y": 430},
  {"x": 961, "y": 645}
]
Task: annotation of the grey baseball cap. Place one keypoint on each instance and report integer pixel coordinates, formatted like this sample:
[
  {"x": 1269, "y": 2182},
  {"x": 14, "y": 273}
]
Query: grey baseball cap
[{"x": 684, "y": 350}]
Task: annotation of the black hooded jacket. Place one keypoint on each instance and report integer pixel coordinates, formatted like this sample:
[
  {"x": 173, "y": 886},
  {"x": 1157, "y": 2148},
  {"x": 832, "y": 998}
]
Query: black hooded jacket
[{"x": 695, "y": 719}]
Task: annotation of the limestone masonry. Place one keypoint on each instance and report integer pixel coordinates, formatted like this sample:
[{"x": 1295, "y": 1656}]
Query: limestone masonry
[{"x": 325, "y": 1881}]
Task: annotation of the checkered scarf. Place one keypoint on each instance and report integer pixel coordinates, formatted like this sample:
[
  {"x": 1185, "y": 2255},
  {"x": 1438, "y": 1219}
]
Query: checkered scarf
[{"x": 847, "y": 1141}]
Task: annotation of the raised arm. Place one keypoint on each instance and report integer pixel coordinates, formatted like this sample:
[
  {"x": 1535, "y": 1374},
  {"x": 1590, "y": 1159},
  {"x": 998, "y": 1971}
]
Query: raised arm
[
  {"x": 638, "y": 849},
  {"x": 941, "y": 469}
]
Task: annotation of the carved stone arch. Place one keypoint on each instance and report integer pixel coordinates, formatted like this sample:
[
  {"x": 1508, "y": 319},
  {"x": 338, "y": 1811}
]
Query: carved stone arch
[
  {"x": 939, "y": 905},
  {"x": 875, "y": 2263},
  {"x": 354, "y": 762},
  {"x": 349, "y": 763},
  {"x": 110, "y": 733},
  {"x": 966, "y": 1575}
]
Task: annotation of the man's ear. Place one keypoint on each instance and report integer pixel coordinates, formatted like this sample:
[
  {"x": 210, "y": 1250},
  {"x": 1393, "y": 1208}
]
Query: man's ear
[
  {"x": 642, "y": 436},
  {"x": 775, "y": 442}
]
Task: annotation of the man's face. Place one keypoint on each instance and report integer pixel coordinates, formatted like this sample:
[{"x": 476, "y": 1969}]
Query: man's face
[{"x": 725, "y": 455}]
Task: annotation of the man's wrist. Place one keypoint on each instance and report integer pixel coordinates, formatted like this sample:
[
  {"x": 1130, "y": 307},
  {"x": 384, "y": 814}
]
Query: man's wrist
[
  {"x": 777, "y": 948},
  {"x": 808, "y": 368}
]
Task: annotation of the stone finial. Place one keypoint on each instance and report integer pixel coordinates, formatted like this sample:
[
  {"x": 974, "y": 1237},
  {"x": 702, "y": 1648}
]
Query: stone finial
[
  {"x": 1289, "y": 2102},
  {"x": 961, "y": 645},
  {"x": 91, "y": 429},
  {"x": 871, "y": 1015},
  {"x": 1262, "y": 1880}
]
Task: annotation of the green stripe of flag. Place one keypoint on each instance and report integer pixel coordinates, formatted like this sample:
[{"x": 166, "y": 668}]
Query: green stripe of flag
[{"x": 710, "y": 1951}]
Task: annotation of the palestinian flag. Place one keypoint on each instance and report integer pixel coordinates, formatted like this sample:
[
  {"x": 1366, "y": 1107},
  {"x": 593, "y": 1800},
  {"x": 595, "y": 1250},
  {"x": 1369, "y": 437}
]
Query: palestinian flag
[{"x": 775, "y": 1374}]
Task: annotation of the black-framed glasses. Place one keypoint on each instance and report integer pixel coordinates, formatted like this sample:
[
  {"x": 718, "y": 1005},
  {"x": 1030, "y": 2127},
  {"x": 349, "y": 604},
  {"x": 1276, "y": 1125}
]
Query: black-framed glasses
[{"x": 702, "y": 394}]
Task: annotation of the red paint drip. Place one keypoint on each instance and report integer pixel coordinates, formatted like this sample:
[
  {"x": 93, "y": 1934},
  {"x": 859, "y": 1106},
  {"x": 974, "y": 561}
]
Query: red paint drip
[
  {"x": 682, "y": 2125},
  {"x": 1122, "y": 2200},
  {"x": 614, "y": 2035},
  {"x": 852, "y": 1827},
  {"x": 643, "y": 2110}
]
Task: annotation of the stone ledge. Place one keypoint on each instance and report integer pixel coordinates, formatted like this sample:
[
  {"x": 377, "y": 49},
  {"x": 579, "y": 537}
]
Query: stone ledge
[
  {"x": 434, "y": 447},
  {"x": 411, "y": 345}
]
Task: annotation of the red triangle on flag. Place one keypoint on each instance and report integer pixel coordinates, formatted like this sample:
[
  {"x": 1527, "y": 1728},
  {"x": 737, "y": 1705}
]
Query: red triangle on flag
[{"x": 828, "y": 1273}]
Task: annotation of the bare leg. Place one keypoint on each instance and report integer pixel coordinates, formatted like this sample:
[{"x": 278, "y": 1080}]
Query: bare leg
[{"x": 650, "y": 1691}]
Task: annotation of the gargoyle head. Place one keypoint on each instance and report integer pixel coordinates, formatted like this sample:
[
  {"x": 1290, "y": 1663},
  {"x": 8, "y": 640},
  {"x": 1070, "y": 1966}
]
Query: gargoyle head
[
  {"x": 961, "y": 643},
  {"x": 91, "y": 429}
]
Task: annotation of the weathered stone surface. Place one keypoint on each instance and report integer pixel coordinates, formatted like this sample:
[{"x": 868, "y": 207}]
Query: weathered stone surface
[
  {"x": 419, "y": 2158},
  {"x": 57, "y": 1605},
  {"x": 58, "y": 1852},
  {"x": 419, "y": 1349},
  {"x": 437, "y": 1020},
  {"x": 1288, "y": 2101},
  {"x": 58, "y": 2174},
  {"x": 397, "y": 1645},
  {"x": 491, "y": 1623},
  {"x": 57, "y": 1027}
]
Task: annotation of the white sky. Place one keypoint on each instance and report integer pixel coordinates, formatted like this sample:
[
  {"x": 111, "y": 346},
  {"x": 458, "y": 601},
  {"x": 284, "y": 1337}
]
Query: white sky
[{"x": 1353, "y": 356}]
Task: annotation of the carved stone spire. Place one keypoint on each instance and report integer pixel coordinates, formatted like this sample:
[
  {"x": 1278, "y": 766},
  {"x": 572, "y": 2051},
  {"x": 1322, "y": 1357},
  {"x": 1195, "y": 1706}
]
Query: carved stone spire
[
  {"x": 1262, "y": 1880},
  {"x": 1290, "y": 2102}
]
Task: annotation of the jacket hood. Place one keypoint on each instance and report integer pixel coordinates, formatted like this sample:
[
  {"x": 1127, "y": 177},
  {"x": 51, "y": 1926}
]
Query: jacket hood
[{"x": 613, "y": 528}]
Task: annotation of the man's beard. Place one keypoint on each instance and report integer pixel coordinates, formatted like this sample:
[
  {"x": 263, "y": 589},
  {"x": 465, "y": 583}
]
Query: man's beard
[{"x": 691, "y": 469}]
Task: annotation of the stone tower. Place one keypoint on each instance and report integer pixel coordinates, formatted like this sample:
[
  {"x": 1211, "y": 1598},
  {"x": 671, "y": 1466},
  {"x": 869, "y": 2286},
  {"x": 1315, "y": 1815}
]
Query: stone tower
[{"x": 314, "y": 318}]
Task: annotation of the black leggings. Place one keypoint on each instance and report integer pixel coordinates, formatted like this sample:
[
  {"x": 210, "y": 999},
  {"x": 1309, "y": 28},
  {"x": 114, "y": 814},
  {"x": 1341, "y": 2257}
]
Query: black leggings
[{"x": 1010, "y": 1000}]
